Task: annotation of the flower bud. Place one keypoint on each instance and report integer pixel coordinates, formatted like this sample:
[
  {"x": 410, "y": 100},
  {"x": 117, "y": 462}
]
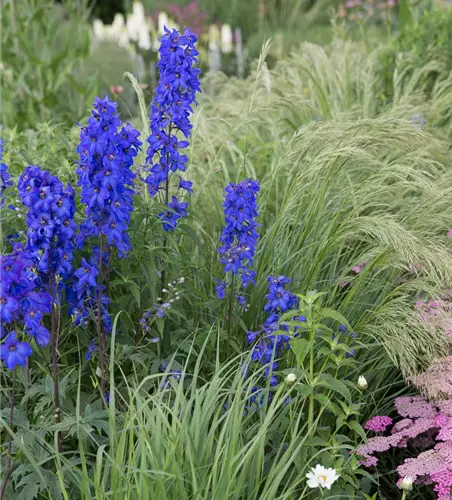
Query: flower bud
[
  {"x": 291, "y": 378},
  {"x": 406, "y": 484},
  {"x": 362, "y": 382}
]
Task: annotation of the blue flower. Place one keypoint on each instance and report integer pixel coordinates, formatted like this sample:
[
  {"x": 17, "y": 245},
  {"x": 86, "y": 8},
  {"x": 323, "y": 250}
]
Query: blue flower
[
  {"x": 20, "y": 302},
  {"x": 239, "y": 235},
  {"x": 220, "y": 288},
  {"x": 5, "y": 178},
  {"x": 107, "y": 150},
  {"x": 91, "y": 349},
  {"x": 170, "y": 117},
  {"x": 13, "y": 352},
  {"x": 272, "y": 339},
  {"x": 50, "y": 221}
]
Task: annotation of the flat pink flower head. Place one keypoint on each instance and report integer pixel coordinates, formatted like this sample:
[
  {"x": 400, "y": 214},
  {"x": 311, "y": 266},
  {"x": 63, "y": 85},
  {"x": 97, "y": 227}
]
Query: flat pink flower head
[{"x": 378, "y": 424}]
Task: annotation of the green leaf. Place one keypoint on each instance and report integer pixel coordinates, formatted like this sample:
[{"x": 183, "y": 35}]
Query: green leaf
[
  {"x": 326, "y": 312},
  {"x": 334, "y": 384},
  {"x": 405, "y": 15},
  {"x": 301, "y": 348},
  {"x": 303, "y": 389},
  {"x": 328, "y": 404},
  {"x": 357, "y": 428},
  {"x": 135, "y": 291}
]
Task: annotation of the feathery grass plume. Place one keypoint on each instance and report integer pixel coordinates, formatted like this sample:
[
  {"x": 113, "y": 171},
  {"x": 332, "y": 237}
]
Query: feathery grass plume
[{"x": 334, "y": 193}]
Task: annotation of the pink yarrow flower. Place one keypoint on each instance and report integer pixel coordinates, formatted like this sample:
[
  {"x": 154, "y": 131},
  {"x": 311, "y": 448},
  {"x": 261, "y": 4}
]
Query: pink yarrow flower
[{"x": 378, "y": 424}]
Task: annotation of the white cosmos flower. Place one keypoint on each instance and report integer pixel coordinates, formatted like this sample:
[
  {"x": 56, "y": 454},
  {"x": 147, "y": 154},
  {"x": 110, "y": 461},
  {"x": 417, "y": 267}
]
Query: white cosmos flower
[{"x": 321, "y": 477}]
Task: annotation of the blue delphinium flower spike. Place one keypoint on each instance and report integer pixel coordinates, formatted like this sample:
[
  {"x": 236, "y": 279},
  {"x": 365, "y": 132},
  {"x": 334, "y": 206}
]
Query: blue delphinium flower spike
[{"x": 170, "y": 119}]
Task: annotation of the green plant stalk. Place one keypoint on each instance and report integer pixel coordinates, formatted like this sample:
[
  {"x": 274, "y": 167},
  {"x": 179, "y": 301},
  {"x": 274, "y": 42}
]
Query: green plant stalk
[
  {"x": 229, "y": 314},
  {"x": 100, "y": 333},
  {"x": 311, "y": 382},
  {"x": 54, "y": 351},
  {"x": 166, "y": 337},
  {"x": 10, "y": 438}
]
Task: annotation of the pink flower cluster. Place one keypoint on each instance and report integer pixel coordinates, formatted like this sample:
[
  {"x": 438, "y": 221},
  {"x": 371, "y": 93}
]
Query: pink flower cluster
[
  {"x": 356, "y": 269},
  {"x": 424, "y": 424},
  {"x": 378, "y": 424},
  {"x": 190, "y": 15},
  {"x": 436, "y": 381},
  {"x": 354, "y": 10},
  {"x": 437, "y": 313}
]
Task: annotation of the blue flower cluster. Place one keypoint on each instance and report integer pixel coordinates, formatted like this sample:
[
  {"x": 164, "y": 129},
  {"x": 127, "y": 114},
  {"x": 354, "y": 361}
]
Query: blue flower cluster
[
  {"x": 239, "y": 236},
  {"x": 273, "y": 336},
  {"x": 5, "y": 181},
  {"x": 50, "y": 221},
  {"x": 107, "y": 151},
  {"x": 86, "y": 290},
  {"x": 21, "y": 304},
  {"x": 170, "y": 115}
]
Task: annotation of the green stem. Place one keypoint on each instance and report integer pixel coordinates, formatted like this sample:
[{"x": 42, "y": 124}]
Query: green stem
[
  {"x": 54, "y": 352},
  {"x": 311, "y": 382},
  {"x": 10, "y": 439},
  {"x": 100, "y": 333},
  {"x": 229, "y": 315}
]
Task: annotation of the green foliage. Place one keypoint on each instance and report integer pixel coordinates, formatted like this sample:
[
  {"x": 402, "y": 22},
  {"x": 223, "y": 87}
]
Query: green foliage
[
  {"x": 346, "y": 178},
  {"x": 428, "y": 39},
  {"x": 43, "y": 49}
]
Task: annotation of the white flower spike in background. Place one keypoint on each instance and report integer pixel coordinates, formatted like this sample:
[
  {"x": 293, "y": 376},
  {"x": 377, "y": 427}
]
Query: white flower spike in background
[{"x": 321, "y": 477}]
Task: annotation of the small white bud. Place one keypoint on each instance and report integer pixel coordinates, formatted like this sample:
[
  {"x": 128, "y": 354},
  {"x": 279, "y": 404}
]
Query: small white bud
[
  {"x": 291, "y": 378},
  {"x": 171, "y": 301},
  {"x": 174, "y": 282},
  {"x": 159, "y": 299},
  {"x": 170, "y": 284},
  {"x": 407, "y": 483},
  {"x": 181, "y": 280},
  {"x": 164, "y": 290},
  {"x": 362, "y": 382}
]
